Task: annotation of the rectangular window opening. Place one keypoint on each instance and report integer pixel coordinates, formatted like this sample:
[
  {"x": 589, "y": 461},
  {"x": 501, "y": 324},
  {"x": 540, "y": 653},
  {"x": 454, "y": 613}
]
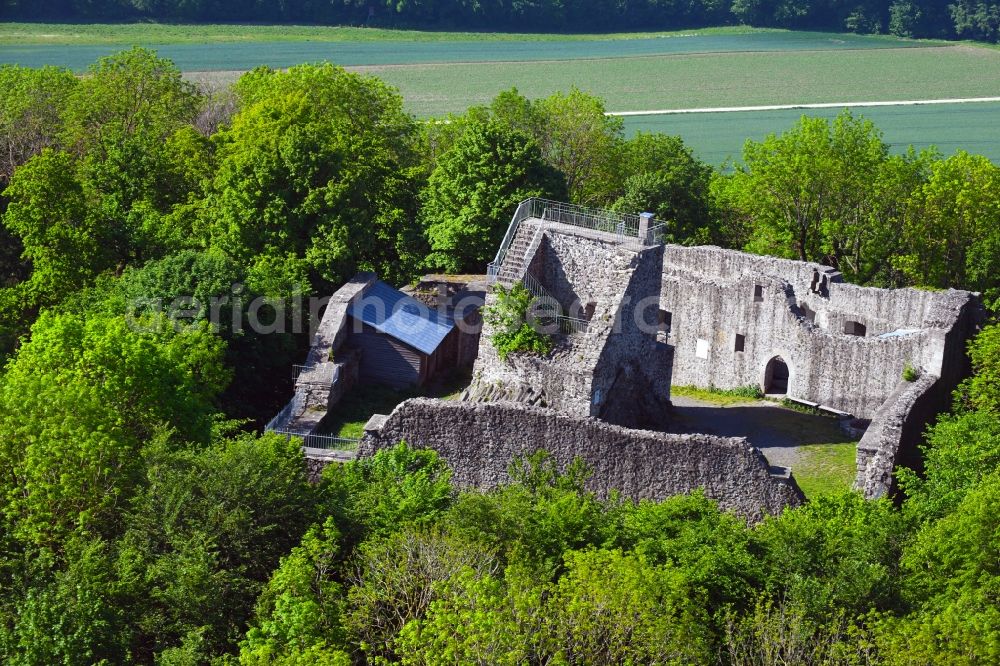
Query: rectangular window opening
[
  {"x": 664, "y": 320},
  {"x": 740, "y": 343},
  {"x": 855, "y": 328},
  {"x": 758, "y": 293}
]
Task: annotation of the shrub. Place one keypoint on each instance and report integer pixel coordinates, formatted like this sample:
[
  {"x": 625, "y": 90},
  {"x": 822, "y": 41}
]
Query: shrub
[
  {"x": 513, "y": 333},
  {"x": 910, "y": 374}
]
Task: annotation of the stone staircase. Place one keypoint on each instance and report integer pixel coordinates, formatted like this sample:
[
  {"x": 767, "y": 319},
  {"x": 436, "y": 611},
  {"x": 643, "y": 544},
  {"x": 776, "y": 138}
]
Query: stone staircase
[
  {"x": 526, "y": 395},
  {"x": 515, "y": 261}
]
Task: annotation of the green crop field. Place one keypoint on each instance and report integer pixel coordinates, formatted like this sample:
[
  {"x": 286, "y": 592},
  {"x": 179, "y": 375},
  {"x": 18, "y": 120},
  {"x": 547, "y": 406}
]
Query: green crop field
[
  {"x": 360, "y": 47},
  {"x": 718, "y": 137},
  {"x": 711, "y": 79},
  {"x": 441, "y": 73},
  {"x": 47, "y": 34}
]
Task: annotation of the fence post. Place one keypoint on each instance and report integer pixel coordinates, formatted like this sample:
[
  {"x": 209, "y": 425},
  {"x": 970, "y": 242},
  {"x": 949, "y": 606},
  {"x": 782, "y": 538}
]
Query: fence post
[{"x": 645, "y": 223}]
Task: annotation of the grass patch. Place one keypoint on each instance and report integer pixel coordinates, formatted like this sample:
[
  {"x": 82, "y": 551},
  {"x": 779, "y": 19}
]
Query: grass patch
[
  {"x": 720, "y": 397},
  {"x": 826, "y": 468},
  {"x": 802, "y": 409},
  {"x": 348, "y": 417}
]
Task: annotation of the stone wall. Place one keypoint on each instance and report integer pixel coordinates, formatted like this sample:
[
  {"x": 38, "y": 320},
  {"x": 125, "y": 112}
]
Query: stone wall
[
  {"x": 777, "y": 307},
  {"x": 480, "y": 440},
  {"x": 895, "y": 431},
  {"x": 616, "y": 369}
]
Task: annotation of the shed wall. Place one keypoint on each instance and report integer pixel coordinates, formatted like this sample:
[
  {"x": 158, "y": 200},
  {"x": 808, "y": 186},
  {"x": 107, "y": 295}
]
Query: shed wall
[{"x": 385, "y": 360}]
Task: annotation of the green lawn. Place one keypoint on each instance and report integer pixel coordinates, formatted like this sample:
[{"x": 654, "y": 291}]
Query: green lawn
[
  {"x": 717, "y": 397},
  {"x": 820, "y": 455},
  {"x": 718, "y": 137},
  {"x": 826, "y": 468}
]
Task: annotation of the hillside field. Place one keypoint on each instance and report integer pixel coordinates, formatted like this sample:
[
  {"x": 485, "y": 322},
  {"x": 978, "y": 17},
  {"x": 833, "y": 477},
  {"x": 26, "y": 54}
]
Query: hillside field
[
  {"x": 441, "y": 73},
  {"x": 719, "y": 137}
]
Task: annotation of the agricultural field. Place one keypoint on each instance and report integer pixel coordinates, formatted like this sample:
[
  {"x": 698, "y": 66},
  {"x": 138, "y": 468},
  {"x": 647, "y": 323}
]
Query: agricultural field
[
  {"x": 442, "y": 73},
  {"x": 718, "y": 137}
]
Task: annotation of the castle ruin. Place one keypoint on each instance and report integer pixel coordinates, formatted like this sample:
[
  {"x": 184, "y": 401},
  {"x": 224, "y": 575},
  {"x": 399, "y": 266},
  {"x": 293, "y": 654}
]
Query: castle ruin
[{"x": 631, "y": 316}]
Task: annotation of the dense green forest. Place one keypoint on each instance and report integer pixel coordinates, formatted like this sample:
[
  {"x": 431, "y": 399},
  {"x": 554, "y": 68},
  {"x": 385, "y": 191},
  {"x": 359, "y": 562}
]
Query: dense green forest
[
  {"x": 144, "y": 520},
  {"x": 947, "y": 19}
]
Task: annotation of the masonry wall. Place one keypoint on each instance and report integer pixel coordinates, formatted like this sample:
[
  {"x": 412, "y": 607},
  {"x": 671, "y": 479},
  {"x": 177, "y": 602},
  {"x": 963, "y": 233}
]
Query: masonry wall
[
  {"x": 480, "y": 440},
  {"x": 615, "y": 370},
  {"x": 895, "y": 431},
  {"x": 711, "y": 294}
]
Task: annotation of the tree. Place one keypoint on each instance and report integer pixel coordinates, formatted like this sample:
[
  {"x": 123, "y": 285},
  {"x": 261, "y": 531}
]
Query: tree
[
  {"x": 397, "y": 578},
  {"x": 535, "y": 519},
  {"x": 713, "y": 549},
  {"x": 904, "y": 18},
  {"x": 669, "y": 198},
  {"x": 318, "y": 164},
  {"x": 77, "y": 404},
  {"x": 665, "y": 179},
  {"x": 614, "y": 607},
  {"x": 474, "y": 620},
  {"x": 951, "y": 234},
  {"x": 834, "y": 555},
  {"x": 572, "y": 131},
  {"x": 473, "y": 191},
  {"x": 299, "y": 613},
  {"x": 48, "y": 212},
  {"x": 130, "y": 93},
  {"x": 952, "y": 578},
  {"x": 104, "y": 201},
  {"x": 982, "y": 390},
  {"x": 69, "y": 614},
  {"x": 207, "y": 528},
  {"x": 809, "y": 191},
  {"x": 210, "y": 287},
  {"x": 30, "y": 112},
  {"x": 395, "y": 487},
  {"x": 579, "y": 140},
  {"x": 961, "y": 449},
  {"x": 976, "y": 19}
]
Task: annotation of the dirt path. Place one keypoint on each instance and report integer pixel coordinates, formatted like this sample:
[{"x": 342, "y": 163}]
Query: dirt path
[{"x": 817, "y": 105}]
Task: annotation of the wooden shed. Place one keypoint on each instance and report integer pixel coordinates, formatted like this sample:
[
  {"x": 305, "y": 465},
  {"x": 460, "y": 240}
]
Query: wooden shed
[{"x": 402, "y": 341}]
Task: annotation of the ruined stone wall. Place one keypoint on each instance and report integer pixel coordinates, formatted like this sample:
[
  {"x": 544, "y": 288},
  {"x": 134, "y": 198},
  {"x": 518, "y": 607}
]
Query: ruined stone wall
[
  {"x": 480, "y": 440},
  {"x": 711, "y": 261},
  {"x": 615, "y": 357},
  {"x": 780, "y": 316},
  {"x": 896, "y": 430}
]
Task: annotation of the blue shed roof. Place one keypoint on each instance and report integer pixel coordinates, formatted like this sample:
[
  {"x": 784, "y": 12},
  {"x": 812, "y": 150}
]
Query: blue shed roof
[{"x": 392, "y": 312}]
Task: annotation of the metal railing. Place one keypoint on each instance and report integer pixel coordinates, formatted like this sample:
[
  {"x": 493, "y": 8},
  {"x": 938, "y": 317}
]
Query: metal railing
[
  {"x": 625, "y": 227},
  {"x": 329, "y": 442},
  {"x": 324, "y": 375},
  {"x": 572, "y": 325},
  {"x": 523, "y": 212},
  {"x": 295, "y": 406}
]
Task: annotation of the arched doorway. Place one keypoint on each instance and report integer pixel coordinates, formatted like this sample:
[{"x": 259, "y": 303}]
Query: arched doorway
[{"x": 776, "y": 377}]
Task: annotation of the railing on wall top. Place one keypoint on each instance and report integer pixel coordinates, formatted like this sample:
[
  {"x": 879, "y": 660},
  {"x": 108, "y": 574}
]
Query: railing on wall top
[
  {"x": 329, "y": 442},
  {"x": 625, "y": 227},
  {"x": 281, "y": 419}
]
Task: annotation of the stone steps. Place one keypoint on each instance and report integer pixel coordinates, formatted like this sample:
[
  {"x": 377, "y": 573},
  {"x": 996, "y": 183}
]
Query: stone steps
[
  {"x": 523, "y": 394},
  {"x": 514, "y": 261}
]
